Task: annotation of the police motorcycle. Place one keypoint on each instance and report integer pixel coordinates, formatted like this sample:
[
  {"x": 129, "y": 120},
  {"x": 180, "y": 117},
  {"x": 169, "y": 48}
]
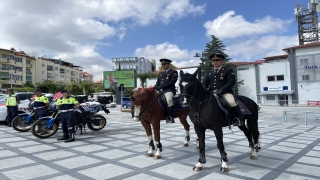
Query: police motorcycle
[
  {"x": 47, "y": 126},
  {"x": 23, "y": 121}
]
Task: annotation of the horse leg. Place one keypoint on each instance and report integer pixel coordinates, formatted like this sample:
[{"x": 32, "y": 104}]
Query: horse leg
[
  {"x": 183, "y": 121},
  {"x": 147, "y": 128},
  {"x": 201, "y": 133},
  {"x": 248, "y": 134},
  {"x": 219, "y": 136},
  {"x": 253, "y": 126},
  {"x": 156, "y": 130}
]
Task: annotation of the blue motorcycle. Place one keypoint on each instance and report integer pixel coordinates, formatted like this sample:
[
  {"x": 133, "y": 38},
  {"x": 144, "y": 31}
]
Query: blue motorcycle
[{"x": 46, "y": 126}]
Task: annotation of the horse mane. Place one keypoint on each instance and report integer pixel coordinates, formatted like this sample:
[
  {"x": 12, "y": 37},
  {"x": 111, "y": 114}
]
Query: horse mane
[
  {"x": 143, "y": 95},
  {"x": 188, "y": 76}
]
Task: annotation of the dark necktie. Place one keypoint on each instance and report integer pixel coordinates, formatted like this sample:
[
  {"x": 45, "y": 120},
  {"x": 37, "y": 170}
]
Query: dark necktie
[{"x": 216, "y": 71}]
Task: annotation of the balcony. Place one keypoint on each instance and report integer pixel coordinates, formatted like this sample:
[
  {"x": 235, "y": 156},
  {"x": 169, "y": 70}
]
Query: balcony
[
  {"x": 3, "y": 60},
  {"x": 29, "y": 65},
  {"x": 73, "y": 74},
  {"x": 5, "y": 69},
  {"x": 50, "y": 69},
  {"x": 28, "y": 73},
  {"x": 61, "y": 72}
]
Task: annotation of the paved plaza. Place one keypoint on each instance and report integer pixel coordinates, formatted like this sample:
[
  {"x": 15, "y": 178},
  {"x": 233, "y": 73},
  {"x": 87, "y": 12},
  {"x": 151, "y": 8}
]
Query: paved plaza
[{"x": 289, "y": 151}]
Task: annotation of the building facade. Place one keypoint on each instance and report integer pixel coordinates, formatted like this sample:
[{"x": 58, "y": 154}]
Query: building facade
[
  {"x": 88, "y": 77},
  {"x": 17, "y": 68},
  {"x": 140, "y": 65},
  {"x": 57, "y": 70}
]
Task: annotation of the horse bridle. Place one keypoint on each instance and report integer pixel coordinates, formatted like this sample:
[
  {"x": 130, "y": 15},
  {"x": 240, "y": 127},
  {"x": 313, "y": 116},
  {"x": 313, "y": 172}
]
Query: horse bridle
[{"x": 145, "y": 113}]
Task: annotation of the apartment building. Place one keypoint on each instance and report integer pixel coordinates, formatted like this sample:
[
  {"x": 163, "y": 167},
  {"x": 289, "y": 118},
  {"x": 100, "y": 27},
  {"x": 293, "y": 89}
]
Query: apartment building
[
  {"x": 88, "y": 77},
  {"x": 17, "y": 68},
  {"x": 57, "y": 70},
  {"x": 140, "y": 65}
]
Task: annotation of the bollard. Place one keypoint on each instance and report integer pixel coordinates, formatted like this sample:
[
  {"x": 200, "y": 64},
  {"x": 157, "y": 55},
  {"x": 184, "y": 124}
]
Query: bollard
[
  {"x": 284, "y": 117},
  {"x": 305, "y": 118}
]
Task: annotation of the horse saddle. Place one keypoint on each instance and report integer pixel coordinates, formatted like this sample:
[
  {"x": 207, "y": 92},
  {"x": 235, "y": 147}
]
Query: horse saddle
[
  {"x": 176, "y": 102},
  {"x": 224, "y": 105}
]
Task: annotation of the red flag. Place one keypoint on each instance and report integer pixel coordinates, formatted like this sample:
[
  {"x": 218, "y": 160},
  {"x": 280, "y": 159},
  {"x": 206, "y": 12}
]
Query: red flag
[{"x": 57, "y": 96}]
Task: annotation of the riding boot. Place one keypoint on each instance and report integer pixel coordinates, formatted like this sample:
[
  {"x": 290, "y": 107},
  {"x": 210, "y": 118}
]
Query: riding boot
[
  {"x": 239, "y": 116},
  {"x": 170, "y": 118},
  {"x": 71, "y": 138},
  {"x": 64, "y": 137}
]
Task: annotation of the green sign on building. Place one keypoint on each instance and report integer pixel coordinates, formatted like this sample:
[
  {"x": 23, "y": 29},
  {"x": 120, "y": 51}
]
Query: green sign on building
[{"x": 112, "y": 79}]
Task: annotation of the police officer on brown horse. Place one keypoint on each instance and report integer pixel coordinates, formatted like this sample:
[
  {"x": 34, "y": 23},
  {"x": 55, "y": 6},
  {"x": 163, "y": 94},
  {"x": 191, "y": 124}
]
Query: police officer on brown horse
[
  {"x": 220, "y": 80},
  {"x": 166, "y": 82}
]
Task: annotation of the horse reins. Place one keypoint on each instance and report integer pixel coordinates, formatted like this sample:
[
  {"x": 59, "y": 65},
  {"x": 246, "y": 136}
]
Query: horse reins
[{"x": 145, "y": 114}]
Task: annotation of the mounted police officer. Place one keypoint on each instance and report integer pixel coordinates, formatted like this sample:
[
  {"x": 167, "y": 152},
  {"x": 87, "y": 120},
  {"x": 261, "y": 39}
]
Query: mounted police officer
[
  {"x": 166, "y": 82},
  {"x": 220, "y": 80},
  {"x": 40, "y": 104},
  {"x": 67, "y": 105},
  {"x": 12, "y": 102}
]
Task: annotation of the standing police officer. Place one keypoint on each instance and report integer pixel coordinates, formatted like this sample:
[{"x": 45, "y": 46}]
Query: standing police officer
[
  {"x": 166, "y": 82},
  {"x": 40, "y": 104},
  {"x": 67, "y": 105},
  {"x": 220, "y": 80},
  {"x": 12, "y": 102}
]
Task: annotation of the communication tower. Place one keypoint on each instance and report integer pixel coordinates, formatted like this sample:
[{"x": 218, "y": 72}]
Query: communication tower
[{"x": 308, "y": 25}]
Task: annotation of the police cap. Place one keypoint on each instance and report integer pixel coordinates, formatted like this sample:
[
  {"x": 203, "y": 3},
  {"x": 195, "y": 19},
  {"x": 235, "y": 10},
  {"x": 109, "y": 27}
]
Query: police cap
[
  {"x": 217, "y": 57},
  {"x": 10, "y": 89},
  {"x": 37, "y": 90},
  {"x": 64, "y": 91},
  {"x": 165, "y": 61}
]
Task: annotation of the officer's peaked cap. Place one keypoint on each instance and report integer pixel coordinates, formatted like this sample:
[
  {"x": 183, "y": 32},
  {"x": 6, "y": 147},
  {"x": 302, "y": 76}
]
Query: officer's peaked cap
[
  {"x": 64, "y": 91},
  {"x": 165, "y": 60},
  {"x": 217, "y": 56},
  {"x": 38, "y": 89}
]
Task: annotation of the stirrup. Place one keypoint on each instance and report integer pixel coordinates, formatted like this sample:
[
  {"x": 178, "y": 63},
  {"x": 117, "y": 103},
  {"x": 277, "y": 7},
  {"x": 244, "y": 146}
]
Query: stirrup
[
  {"x": 238, "y": 123},
  {"x": 169, "y": 119}
]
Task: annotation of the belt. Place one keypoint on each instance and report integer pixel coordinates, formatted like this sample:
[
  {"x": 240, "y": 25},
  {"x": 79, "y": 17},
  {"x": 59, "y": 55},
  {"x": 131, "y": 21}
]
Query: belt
[
  {"x": 68, "y": 110},
  {"x": 39, "y": 107}
]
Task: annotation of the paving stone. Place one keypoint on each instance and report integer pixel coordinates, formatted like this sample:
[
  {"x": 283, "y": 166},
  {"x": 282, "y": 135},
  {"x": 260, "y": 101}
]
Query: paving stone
[
  {"x": 305, "y": 169},
  {"x": 63, "y": 177},
  {"x": 113, "y": 154},
  {"x": 22, "y": 144},
  {"x": 38, "y": 148},
  {"x": 76, "y": 162},
  {"x": 89, "y": 148},
  {"x": 14, "y": 162},
  {"x": 29, "y": 172},
  {"x": 52, "y": 155},
  {"x": 288, "y": 176},
  {"x": 175, "y": 170},
  {"x": 142, "y": 176},
  {"x": 141, "y": 161},
  {"x": 6, "y": 153},
  {"x": 248, "y": 171},
  {"x": 106, "y": 171}
]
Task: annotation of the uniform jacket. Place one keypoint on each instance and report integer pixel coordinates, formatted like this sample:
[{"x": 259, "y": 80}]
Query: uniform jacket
[
  {"x": 223, "y": 80},
  {"x": 167, "y": 81}
]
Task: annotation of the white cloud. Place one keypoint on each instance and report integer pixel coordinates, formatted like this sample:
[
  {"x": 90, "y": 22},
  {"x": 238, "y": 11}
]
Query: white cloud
[
  {"x": 230, "y": 25},
  {"x": 179, "y": 57},
  {"x": 260, "y": 47},
  {"x": 71, "y": 30}
]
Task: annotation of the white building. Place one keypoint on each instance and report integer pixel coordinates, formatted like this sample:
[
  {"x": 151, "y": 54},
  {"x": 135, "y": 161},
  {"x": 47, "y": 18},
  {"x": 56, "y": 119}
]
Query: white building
[{"x": 140, "y": 65}]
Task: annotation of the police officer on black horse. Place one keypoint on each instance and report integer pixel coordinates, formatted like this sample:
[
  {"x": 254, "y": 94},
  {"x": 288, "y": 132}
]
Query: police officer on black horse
[
  {"x": 220, "y": 81},
  {"x": 166, "y": 82},
  {"x": 66, "y": 106},
  {"x": 40, "y": 104}
]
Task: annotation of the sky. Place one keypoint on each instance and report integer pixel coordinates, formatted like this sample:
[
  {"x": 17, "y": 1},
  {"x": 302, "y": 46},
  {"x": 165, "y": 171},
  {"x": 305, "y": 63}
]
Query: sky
[{"x": 89, "y": 33}]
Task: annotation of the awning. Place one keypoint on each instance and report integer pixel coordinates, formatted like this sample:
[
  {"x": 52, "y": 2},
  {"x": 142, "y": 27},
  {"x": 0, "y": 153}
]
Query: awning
[{"x": 277, "y": 92}]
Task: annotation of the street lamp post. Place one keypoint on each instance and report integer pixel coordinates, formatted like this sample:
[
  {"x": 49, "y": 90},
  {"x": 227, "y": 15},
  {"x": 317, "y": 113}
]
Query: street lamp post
[{"x": 199, "y": 68}]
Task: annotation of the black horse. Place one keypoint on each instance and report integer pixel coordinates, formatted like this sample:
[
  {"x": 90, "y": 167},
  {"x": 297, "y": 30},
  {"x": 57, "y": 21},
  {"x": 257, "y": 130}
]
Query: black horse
[{"x": 206, "y": 114}]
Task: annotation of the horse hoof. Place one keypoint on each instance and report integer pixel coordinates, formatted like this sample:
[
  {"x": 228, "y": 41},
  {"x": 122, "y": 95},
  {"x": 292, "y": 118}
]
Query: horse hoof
[
  {"x": 224, "y": 169},
  {"x": 149, "y": 155},
  {"x": 185, "y": 145},
  {"x": 254, "y": 157},
  {"x": 197, "y": 148},
  {"x": 157, "y": 157},
  {"x": 197, "y": 169}
]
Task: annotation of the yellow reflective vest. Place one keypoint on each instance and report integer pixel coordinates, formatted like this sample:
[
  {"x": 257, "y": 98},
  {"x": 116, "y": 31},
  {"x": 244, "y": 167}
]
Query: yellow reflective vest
[{"x": 11, "y": 100}]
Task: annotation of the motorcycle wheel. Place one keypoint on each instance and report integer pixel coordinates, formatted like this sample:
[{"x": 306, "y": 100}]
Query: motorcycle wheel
[
  {"x": 19, "y": 124},
  {"x": 97, "y": 127},
  {"x": 39, "y": 129}
]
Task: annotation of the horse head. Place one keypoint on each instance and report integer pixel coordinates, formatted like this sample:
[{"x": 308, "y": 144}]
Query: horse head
[
  {"x": 188, "y": 85},
  {"x": 140, "y": 99}
]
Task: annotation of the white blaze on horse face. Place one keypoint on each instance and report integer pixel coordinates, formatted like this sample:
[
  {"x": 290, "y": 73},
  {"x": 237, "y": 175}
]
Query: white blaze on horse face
[
  {"x": 136, "y": 113},
  {"x": 184, "y": 84},
  {"x": 184, "y": 100}
]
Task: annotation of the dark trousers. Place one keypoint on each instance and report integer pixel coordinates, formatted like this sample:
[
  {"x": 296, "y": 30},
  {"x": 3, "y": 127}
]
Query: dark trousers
[
  {"x": 12, "y": 113},
  {"x": 38, "y": 113},
  {"x": 67, "y": 121}
]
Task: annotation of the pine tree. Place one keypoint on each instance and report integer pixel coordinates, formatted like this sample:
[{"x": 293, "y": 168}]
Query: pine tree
[{"x": 212, "y": 47}]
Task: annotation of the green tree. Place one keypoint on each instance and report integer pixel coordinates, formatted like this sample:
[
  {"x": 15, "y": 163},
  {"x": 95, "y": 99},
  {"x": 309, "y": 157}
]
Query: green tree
[
  {"x": 88, "y": 87},
  {"x": 75, "y": 88},
  {"x": 128, "y": 92},
  {"x": 48, "y": 86},
  {"x": 171, "y": 66},
  {"x": 99, "y": 88},
  {"x": 29, "y": 84},
  {"x": 144, "y": 76},
  {"x": 212, "y": 47}
]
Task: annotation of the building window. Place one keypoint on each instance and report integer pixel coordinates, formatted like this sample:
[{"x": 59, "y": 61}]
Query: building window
[
  {"x": 244, "y": 68},
  {"x": 56, "y": 75},
  {"x": 56, "y": 68},
  {"x": 28, "y": 62},
  {"x": 280, "y": 77},
  {"x": 271, "y": 97},
  {"x": 305, "y": 78},
  {"x": 43, "y": 72},
  {"x": 271, "y": 78},
  {"x": 304, "y": 62},
  {"x": 43, "y": 65},
  {"x": 67, "y": 71}
]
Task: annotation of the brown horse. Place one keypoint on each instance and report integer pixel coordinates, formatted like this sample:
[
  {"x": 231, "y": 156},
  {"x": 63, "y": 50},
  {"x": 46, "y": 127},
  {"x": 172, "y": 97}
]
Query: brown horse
[{"x": 148, "y": 110}]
